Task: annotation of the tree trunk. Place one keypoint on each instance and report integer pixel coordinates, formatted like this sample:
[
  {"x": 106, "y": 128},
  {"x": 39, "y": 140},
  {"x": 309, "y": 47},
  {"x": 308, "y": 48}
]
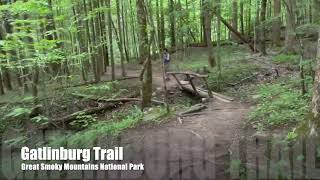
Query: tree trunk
[
  {"x": 290, "y": 29},
  {"x": 242, "y": 17},
  {"x": 111, "y": 40},
  {"x": 276, "y": 23},
  {"x": 145, "y": 56},
  {"x": 234, "y": 19},
  {"x": 207, "y": 29},
  {"x": 1, "y": 85},
  {"x": 162, "y": 24},
  {"x": 263, "y": 27},
  {"x": 7, "y": 79},
  {"x": 123, "y": 72},
  {"x": 142, "y": 28},
  {"x": 172, "y": 23},
  {"x": 316, "y": 86}
]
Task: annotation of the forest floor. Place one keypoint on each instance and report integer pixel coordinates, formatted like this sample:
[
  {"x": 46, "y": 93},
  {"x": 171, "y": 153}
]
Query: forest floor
[{"x": 218, "y": 143}]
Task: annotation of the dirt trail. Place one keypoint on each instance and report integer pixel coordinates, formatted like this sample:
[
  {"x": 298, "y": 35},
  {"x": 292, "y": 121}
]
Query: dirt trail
[{"x": 199, "y": 148}]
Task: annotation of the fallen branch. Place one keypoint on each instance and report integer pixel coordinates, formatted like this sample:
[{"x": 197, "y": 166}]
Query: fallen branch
[
  {"x": 189, "y": 73},
  {"x": 204, "y": 93},
  {"x": 69, "y": 118},
  {"x": 235, "y": 32},
  {"x": 95, "y": 82},
  {"x": 193, "y": 109},
  {"x": 118, "y": 100},
  {"x": 244, "y": 79}
]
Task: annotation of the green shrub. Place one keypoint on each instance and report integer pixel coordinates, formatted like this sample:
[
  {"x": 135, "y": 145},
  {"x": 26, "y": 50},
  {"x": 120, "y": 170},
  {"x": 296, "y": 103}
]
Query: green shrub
[
  {"x": 286, "y": 58},
  {"x": 279, "y": 105},
  {"x": 230, "y": 74}
]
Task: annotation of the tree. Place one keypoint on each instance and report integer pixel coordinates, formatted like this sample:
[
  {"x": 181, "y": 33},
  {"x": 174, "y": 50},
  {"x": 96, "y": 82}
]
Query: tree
[
  {"x": 145, "y": 56},
  {"x": 207, "y": 12},
  {"x": 234, "y": 18},
  {"x": 172, "y": 17},
  {"x": 291, "y": 26},
  {"x": 316, "y": 86},
  {"x": 120, "y": 44},
  {"x": 276, "y": 23},
  {"x": 111, "y": 40},
  {"x": 142, "y": 29},
  {"x": 263, "y": 27}
]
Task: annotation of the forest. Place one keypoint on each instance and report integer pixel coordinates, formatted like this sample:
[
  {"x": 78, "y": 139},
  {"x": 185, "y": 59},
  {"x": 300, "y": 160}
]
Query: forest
[{"x": 193, "y": 89}]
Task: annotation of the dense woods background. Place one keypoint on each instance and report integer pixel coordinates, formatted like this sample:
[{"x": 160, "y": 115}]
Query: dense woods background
[{"x": 45, "y": 41}]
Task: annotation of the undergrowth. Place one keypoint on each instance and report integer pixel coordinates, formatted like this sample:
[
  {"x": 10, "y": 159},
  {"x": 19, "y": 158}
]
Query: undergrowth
[
  {"x": 279, "y": 104},
  {"x": 112, "y": 127}
]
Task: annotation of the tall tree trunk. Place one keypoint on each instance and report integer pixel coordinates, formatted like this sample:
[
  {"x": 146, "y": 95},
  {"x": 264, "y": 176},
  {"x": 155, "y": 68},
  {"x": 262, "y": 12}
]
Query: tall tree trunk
[
  {"x": 316, "y": 86},
  {"x": 249, "y": 26},
  {"x": 207, "y": 23},
  {"x": 242, "y": 17},
  {"x": 263, "y": 27},
  {"x": 172, "y": 23},
  {"x": 142, "y": 28},
  {"x": 111, "y": 40},
  {"x": 290, "y": 28},
  {"x": 276, "y": 23},
  {"x": 7, "y": 78},
  {"x": 162, "y": 24},
  {"x": 234, "y": 19},
  {"x": 256, "y": 27},
  {"x": 123, "y": 71},
  {"x": 1, "y": 85},
  {"x": 145, "y": 56}
]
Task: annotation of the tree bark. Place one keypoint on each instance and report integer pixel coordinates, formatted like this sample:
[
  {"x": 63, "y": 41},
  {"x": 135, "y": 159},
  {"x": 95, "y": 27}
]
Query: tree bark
[
  {"x": 234, "y": 19},
  {"x": 276, "y": 23},
  {"x": 290, "y": 29},
  {"x": 172, "y": 23},
  {"x": 242, "y": 17},
  {"x": 162, "y": 24},
  {"x": 123, "y": 72},
  {"x": 142, "y": 28},
  {"x": 1, "y": 85},
  {"x": 207, "y": 29},
  {"x": 263, "y": 27},
  {"x": 316, "y": 86},
  {"x": 113, "y": 77}
]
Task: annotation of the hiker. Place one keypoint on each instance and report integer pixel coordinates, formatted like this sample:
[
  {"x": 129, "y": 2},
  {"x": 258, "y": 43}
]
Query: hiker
[{"x": 166, "y": 62}]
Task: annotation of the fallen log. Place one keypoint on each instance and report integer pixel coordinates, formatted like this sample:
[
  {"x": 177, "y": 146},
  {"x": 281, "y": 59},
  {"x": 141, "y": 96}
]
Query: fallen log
[
  {"x": 244, "y": 79},
  {"x": 204, "y": 93},
  {"x": 189, "y": 73},
  {"x": 95, "y": 82},
  {"x": 118, "y": 100},
  {"x": 237, "y": 33},
  {"x": 192, "y": 110}
]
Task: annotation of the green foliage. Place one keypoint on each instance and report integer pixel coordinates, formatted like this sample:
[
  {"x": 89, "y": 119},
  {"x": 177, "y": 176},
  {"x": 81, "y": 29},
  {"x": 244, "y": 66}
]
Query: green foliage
[
  {"x": 110, "y": 127},
  {"x": 286, "y": 58},
  {"x": 83, "y": 121},
  {"x": 279, "y": 105},
  {"x": 16, "y": 141},
  {"x": 40, "y": 119},
  {"x": 233, "y": 73},
  {"x": 292, "y": 135},
  {"x": 104, "y": 90},
  {"x": 18, "y": 113}
]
